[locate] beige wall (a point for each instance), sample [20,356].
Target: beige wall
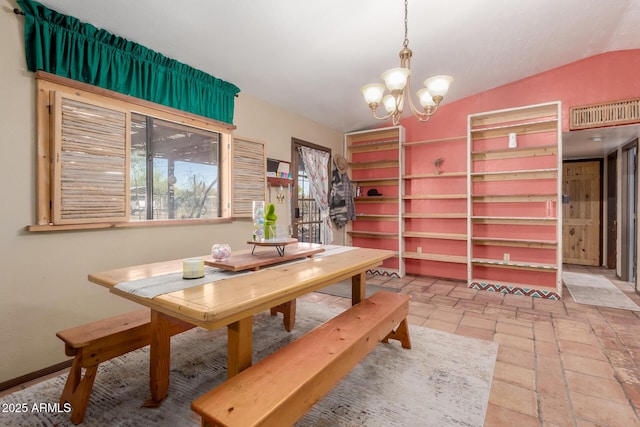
[44,285]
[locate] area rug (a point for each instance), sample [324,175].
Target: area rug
[343,289]
[596,290]
[444,380]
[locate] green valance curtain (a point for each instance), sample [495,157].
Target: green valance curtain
[62,45]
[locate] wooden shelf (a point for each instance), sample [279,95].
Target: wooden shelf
[377,181]
[427,235]
[436,257]
[376,217]
[523,243]
[514,264]
[376,199]
[273,181]
[513,153]
[514,220]
[373,234]
[374,165]
[521,175]
[435,141]
[435,197]
[434,215]
[435,175]
[508,198]
[374,146]
[520,128]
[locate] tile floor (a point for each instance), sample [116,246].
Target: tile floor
[559,363]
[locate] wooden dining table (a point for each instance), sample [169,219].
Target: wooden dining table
[234,301]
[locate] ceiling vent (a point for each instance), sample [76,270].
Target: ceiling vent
[606,114]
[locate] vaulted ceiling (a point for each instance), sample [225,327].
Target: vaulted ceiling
[311,57]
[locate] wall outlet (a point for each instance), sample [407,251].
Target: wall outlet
[507,257]
[419,249]
[513,141]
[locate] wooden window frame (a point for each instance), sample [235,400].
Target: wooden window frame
[47,84]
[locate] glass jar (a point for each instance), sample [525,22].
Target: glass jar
[220,252]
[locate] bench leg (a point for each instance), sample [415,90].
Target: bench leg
[358,288]
[288,309]
[239,346]
[401,334]
[77,389]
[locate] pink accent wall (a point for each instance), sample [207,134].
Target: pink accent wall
[607,77]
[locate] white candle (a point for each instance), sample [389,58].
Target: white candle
[193,268]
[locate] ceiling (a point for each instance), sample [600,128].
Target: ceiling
[312,57]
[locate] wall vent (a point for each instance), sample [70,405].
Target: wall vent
[606,114]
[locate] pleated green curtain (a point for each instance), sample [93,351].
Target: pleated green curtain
[62,45]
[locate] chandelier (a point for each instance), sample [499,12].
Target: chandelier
[398,82]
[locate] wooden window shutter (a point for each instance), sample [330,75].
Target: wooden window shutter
[90,174]
[248,175]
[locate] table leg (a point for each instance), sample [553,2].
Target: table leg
[160,358]
[240,351]
[358,287]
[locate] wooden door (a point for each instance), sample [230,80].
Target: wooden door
[581,216]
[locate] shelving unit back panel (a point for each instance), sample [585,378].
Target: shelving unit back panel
[375,226]
[421,158]
[375,156]
[375,174]
[449,185]
[512,231]
[431,225]
[435,269]
[441,206]
[515,164]
[437,246]
[378,209]
[532,209]
[496,188]
[517,254]
[522,141]
[529,279]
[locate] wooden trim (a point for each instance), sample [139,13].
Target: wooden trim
[512,153]
[373,146]
[551,268]
[373,234]
[374,165]
[435,197]
[428,235]
[521,243]
[36,375]
[74,84]
[521,175]
[457,259]
[435,141]
[248,175]
[435,175]
[434,215]
[130,224]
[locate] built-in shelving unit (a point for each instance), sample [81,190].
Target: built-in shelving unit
[376,162]
[435,206]
[514,207]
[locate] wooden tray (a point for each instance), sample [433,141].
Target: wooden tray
[265,257]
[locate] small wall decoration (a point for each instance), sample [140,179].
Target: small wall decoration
[437,163]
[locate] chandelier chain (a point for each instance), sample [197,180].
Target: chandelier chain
[406,25]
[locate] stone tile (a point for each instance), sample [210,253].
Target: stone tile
[470,306]
[420,309]
[518,301]
[533,315]
[498,416]
[543,331]
[501,311]
[448,315]
[513,397]
[603,412]
[550,385]
[555,411]
[444,300]
[512,329]
[440,325]
[478,322]
[608,389]
[547,348]
[579,349]
[489,297]
[514,374]
[588,366]
[520,343]
[440,289]
[463,293]
[482,334]
[517,357]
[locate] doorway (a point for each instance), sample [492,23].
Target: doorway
[307,216]
[581,216]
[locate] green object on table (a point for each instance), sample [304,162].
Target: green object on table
[270,218]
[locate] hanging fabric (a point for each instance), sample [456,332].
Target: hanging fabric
[316,163]
[342,207]
[62,45]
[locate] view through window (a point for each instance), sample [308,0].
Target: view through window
[175,171]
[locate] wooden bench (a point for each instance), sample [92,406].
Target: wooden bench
[97,342]
[280,388]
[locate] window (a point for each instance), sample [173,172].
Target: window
[109,160]
[174,170]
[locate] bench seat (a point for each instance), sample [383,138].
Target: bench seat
[97,342]
[280,388]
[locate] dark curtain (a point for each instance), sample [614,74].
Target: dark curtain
[62,45]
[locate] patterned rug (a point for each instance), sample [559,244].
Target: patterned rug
[444,380]
[596,290]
